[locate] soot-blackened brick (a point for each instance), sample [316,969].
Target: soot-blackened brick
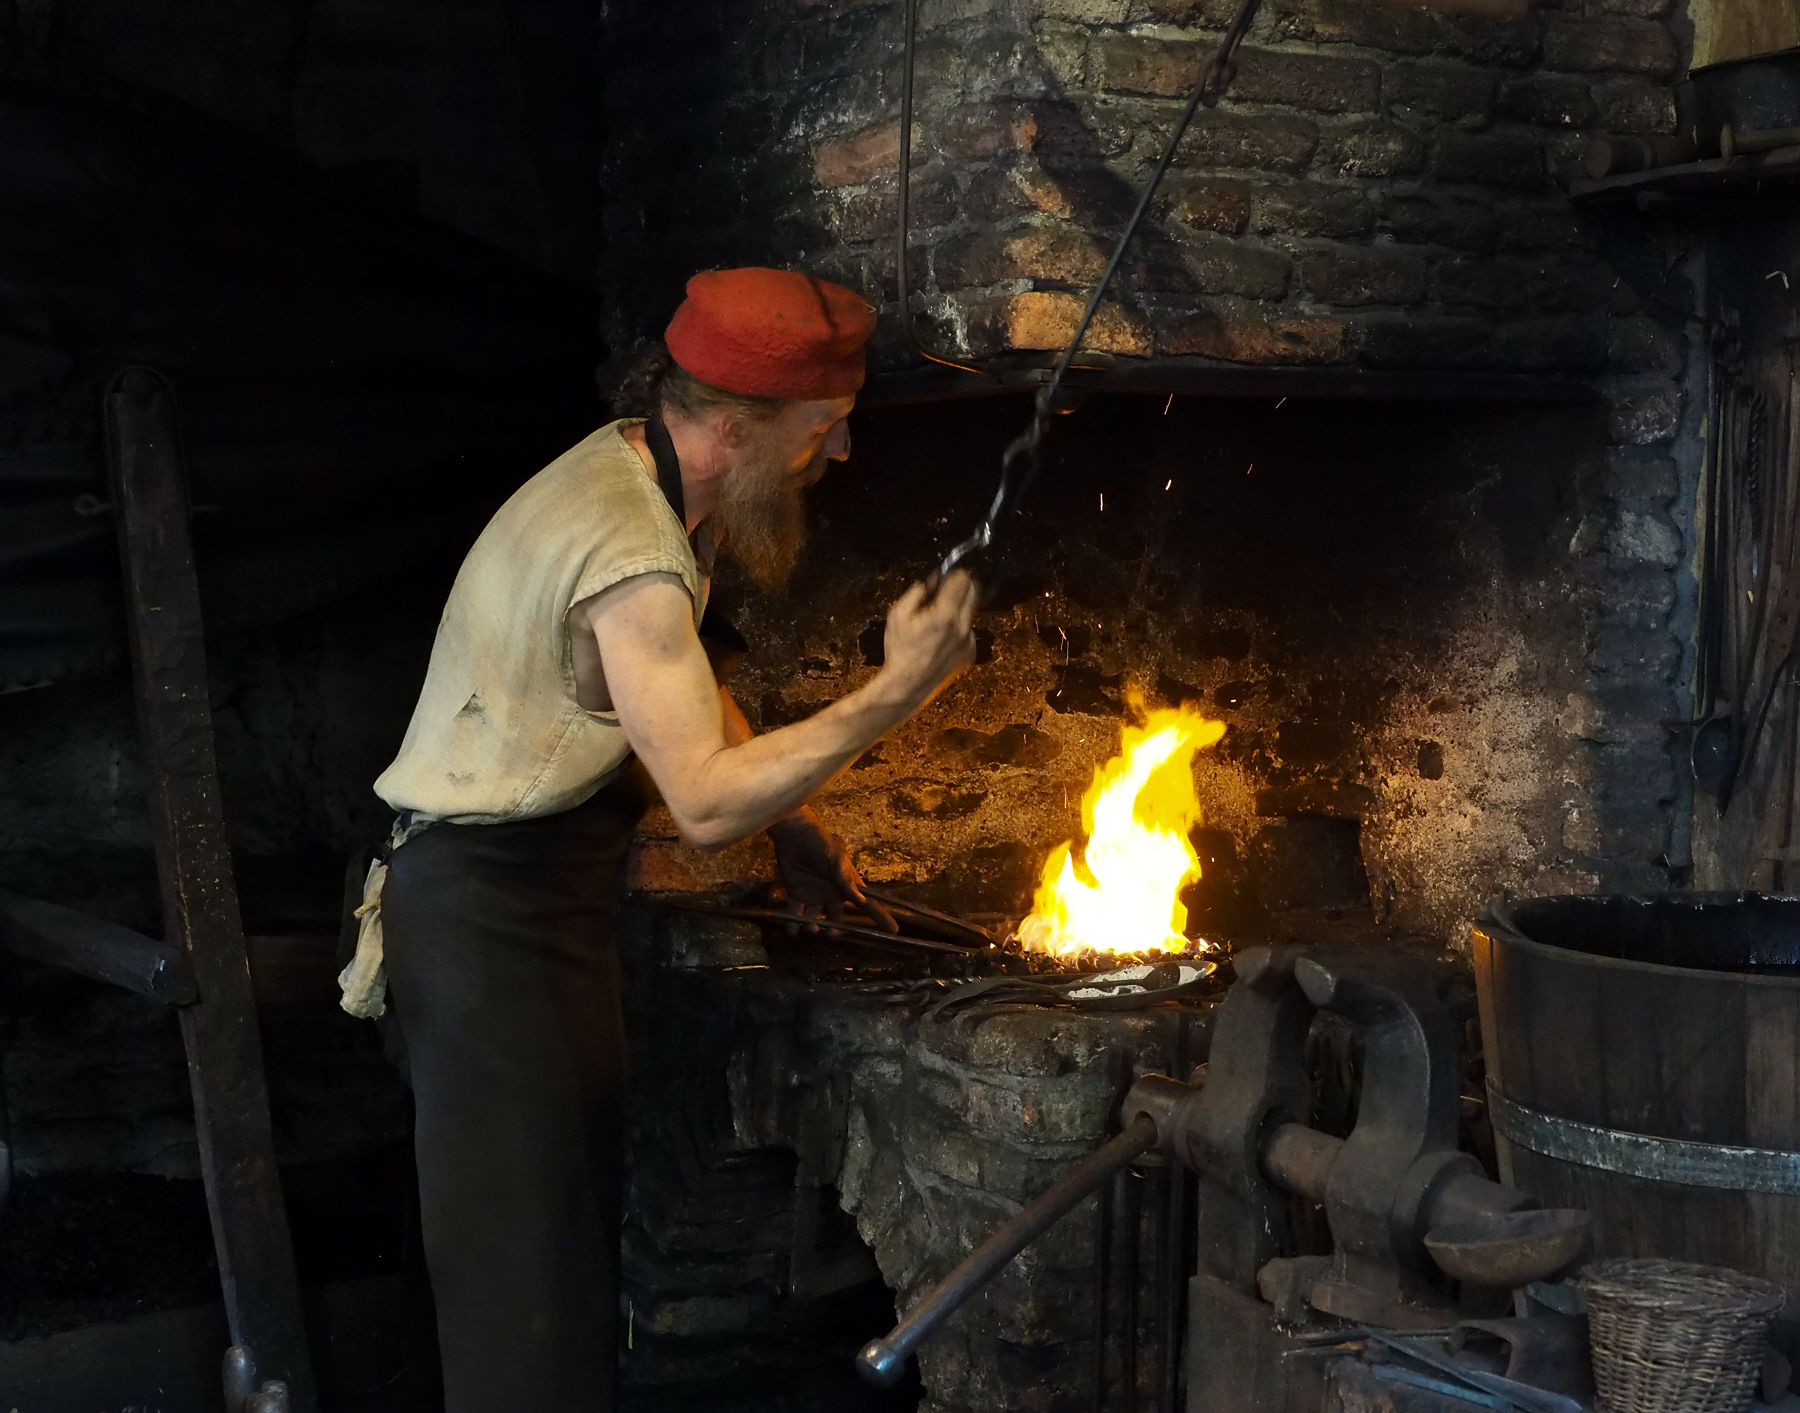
[1550,101]
[1639,481]
[1046,319]
[1641,345]
[1635,595]
[1371,149]
[1320,83]
[1579,283]
[1208,14]
[1608,44]
[1468,282]
[1633,106]
[1541,225]
[1489,159]
[1564,155]
[1506,44]
[1000,194]
[1643,414]
[1437,218]
[1630,714]
[1422,341]
[1631,652]
[1271,143]
[1566,344]
[1351,276]
[1214,205]
[1056,254]
[976,131]
[1314,209]
[1066,131]
[1247,333]
[854,159]
[1440,90]
[1599,831]
[1643,537]
[1391,29]
[864,214]
[1165,68]
[1207,264]
[1086,12]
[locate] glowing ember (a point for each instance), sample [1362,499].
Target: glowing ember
[1124,894]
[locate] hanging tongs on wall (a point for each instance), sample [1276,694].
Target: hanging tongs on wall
[1750,575]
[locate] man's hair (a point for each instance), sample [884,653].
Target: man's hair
[652,379]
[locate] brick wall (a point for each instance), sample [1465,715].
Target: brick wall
[1384,189]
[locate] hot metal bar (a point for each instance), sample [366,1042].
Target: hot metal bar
[1640,1155]
[882,1360]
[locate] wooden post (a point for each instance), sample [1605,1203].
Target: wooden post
[200,905]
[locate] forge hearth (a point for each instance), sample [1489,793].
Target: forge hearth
[804,1147]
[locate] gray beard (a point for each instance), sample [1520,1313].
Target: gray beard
[762,522]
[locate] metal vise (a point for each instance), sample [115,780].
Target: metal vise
[1399,1196]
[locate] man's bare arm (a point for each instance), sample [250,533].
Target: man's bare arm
[671,708]
[737,725]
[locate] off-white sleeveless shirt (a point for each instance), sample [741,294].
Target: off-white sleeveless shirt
[498,733]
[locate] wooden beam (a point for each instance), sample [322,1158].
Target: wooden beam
[62,937]
[200,906]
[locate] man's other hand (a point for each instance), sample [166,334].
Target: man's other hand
[930,637]
[818,873]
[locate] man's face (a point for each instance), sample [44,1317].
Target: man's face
[762,511]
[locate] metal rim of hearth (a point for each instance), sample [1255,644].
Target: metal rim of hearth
[1641,1155]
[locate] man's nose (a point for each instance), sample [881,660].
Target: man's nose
[837,442]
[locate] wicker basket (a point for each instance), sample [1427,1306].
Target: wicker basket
[1669,1337]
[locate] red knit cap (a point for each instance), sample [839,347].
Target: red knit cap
[771,333]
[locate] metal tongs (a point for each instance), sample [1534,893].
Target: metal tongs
[1019,465]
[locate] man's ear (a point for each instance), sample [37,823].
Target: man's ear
[731,429]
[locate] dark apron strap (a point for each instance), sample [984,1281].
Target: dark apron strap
[718,635]
[668,468]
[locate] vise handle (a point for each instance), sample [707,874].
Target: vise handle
[881,1361]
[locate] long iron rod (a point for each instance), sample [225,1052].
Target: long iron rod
[844,929]
[955,924]
[882,1361]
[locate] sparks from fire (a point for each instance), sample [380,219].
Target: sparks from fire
[1124,895]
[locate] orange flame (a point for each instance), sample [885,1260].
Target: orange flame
[1124,895]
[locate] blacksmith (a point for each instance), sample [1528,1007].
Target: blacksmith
[570,648]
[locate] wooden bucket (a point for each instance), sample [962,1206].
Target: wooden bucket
[1643,1063]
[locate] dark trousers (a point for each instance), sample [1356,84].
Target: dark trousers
[505,980]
